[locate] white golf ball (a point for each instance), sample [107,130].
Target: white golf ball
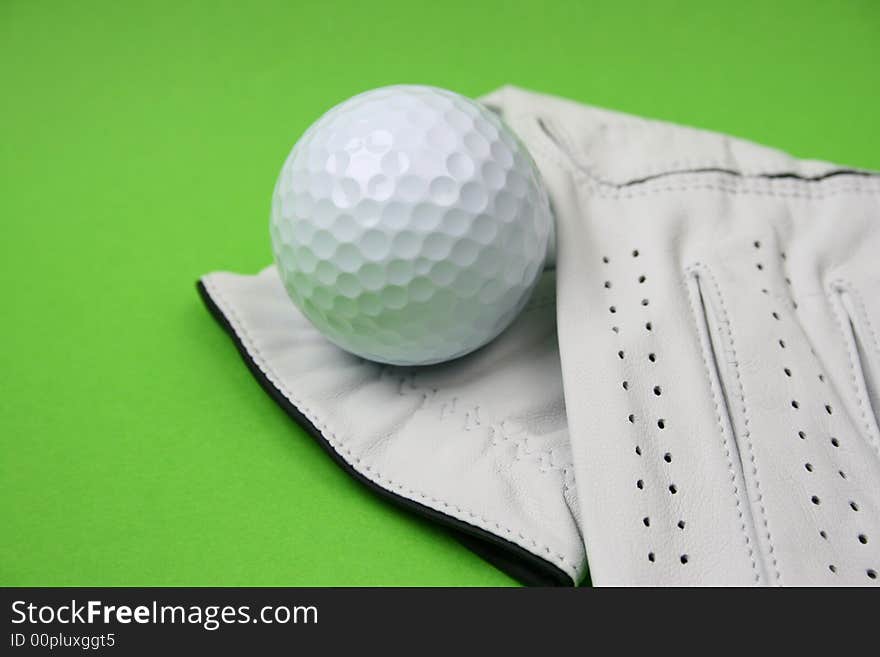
[410,225]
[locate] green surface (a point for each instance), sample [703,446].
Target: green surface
[138,149]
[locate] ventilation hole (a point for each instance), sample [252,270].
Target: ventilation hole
[757,244]
[642,278]
[835,442]
[823,534]
[853,506]
[649,326]
[616,329]
[808,467]
[815,500]
[871,573]
[842,474]
[787,371]
[828,409]
[620,354]
[681,524]
[683,558]
[661,423]
[795,404]
[635,253]
[673,489]
[774,313]
[612,309]
[605,259]
[782,343]
[667,457]
[631,418]
[626,385]
[764,290]
[640,484]
[638,451]
[657,390]
[651,557]
[652,357]
[607,285]
[645,302]
[802,435]
[822,378]
[832,568]
[863,539]
[760,267]
[646,521]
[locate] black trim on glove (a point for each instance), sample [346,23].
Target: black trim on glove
[508,557]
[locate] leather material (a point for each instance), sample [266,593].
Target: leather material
[479,444]
[718,324]
[719,335]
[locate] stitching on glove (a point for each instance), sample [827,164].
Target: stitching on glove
[726,183]
[697,270]
[694,273]
[544,457]
[377,477]
[668,167]
[738,187]
[863,312]
[837,288]
[553,129]
[406,381]
[471,420]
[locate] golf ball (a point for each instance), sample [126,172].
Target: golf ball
[410,225]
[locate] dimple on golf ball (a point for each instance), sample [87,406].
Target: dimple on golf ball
[409,225]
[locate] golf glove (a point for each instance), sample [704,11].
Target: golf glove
[718,319]
[718,337]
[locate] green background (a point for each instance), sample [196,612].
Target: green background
[139,144]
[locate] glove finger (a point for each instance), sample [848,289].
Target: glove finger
[810,462]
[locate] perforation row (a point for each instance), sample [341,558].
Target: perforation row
[656,389]
[795,404]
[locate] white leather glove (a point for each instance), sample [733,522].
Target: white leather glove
[719,331]
[718,323]
[479,445]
